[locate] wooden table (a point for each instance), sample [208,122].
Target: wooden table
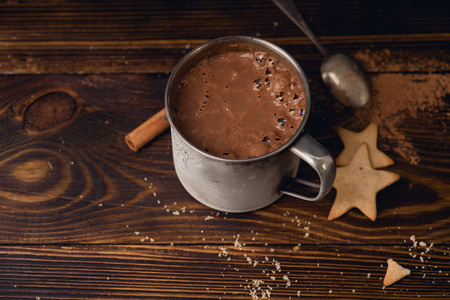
[82,216]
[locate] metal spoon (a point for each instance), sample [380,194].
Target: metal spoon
[341,73]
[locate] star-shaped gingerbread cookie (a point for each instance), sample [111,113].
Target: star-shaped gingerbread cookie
[357,185]
[352,140]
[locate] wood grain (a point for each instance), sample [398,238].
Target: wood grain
[116,20]
[224,271]
[63,57]
[82,216]
[96,191]
[140,37]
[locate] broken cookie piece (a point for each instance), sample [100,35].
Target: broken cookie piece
[394,272]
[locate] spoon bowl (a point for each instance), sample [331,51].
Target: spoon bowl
[345,80]
[341,73]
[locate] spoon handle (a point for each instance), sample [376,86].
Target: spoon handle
[289,9]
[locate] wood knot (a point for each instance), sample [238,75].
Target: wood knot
[49,111]
[34,175]
[32,171]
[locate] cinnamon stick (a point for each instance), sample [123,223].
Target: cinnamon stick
[147,131]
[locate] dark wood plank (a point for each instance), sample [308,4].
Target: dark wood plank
[141,37]
[118,20]
[226,271]
[81,216]
[106,58]
[87,186]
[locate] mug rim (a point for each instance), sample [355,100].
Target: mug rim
[250,40]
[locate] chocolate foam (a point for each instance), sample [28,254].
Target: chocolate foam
[238,104]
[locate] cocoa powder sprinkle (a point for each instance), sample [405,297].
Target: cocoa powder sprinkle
[399,98]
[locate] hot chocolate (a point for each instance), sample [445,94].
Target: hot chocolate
[239,103]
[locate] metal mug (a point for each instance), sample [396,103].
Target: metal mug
[243,185]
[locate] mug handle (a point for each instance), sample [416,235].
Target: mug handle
[315,155]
